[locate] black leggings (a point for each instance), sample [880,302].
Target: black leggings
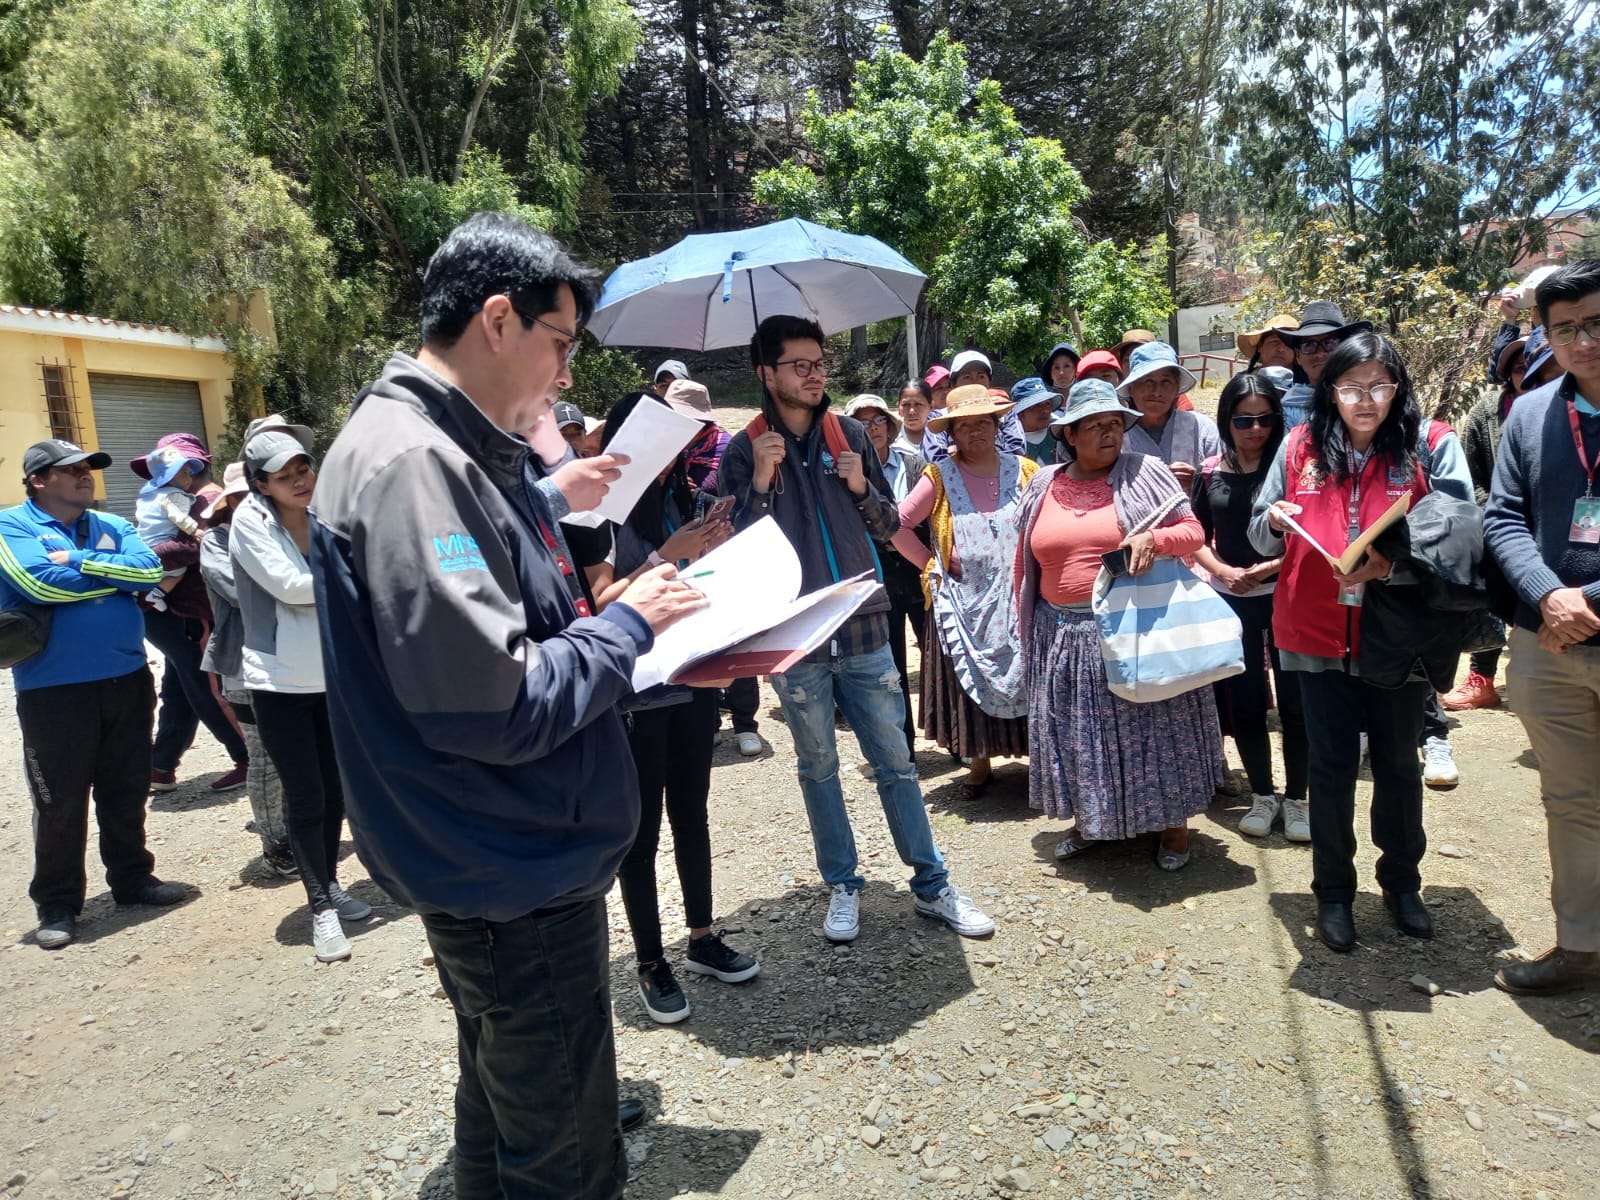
[294,730]
[672,752]
[1247,704]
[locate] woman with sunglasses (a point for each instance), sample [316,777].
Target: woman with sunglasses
[1365,446]
[1321,330]
[1251,419]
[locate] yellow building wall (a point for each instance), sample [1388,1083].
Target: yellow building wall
[24,418]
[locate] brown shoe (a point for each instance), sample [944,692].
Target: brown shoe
[1556,970]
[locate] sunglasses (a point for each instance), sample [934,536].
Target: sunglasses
[1325,345]
[1256,421]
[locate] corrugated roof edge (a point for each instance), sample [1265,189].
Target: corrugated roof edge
[108,327]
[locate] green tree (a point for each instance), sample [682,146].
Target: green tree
[940,169]
[1117,288]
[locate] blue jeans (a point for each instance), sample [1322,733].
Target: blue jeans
[536,1103]
[866,688]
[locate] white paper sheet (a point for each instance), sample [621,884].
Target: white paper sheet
[651,438]
[749,582]
[813,618]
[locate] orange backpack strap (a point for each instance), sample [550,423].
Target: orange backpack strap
[832,432]
[756,427]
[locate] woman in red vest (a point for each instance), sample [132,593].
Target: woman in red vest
[1365,445]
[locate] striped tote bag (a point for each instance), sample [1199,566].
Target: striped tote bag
[1165,632]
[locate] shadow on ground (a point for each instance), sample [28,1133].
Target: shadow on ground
[102,916]
[1127,870]
[194,793]
[1004,800]
[295,927]
[811,993]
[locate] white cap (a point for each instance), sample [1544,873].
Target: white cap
[966,358]
[673,367]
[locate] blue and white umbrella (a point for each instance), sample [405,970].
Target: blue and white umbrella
[705,292]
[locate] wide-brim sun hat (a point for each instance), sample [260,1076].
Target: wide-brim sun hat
[191,445]
[1503,362]
[1090,398]
[867,400]
[161,465]
[1030,392]
[966,358]
[971,400]
[690,398]
[234,483]
[1131,339]
[1249,341]
[1066,348]
[1149,358]
[1100,360]
[1537,352]
[1322,318]
[273,448]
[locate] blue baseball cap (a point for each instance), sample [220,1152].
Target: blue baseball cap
[1029,392]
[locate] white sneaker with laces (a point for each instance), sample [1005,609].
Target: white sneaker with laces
[843,922]
[327,937]
[1258,821]
[1439,764]
[1296,820]
[750,744]
[956,910]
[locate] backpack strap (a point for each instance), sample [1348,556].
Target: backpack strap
[833,434]
[756,427]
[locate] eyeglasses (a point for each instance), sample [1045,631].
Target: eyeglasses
[874,422]
[804,367]
[1256,420]
[1378,393]
[1325,345]
[570,336]
[1565,335]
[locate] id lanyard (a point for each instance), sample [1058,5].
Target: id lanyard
[565,564]
[1356,464]
[1583,456]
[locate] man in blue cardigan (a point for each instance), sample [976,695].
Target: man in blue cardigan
[1543,526]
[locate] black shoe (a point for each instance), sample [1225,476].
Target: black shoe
[663,998]
[709,955]
[630,1113]
[56,932]
[1410,914]
[281,862]
[153,892]
[1336,926]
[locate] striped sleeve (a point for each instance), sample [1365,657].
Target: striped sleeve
[131,567]
[25,565]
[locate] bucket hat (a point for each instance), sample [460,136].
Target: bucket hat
[1066,348]
[190,444]
[1248,341]
[973,400]
[163,463]
[689,398]
[867,400]
[1149,358]
[234,483]
[1537,352]
[1320,319]
[1502,363]
[1030,392]
[1088,398]
[1130,339]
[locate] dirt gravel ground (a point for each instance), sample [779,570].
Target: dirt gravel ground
[1125,1032]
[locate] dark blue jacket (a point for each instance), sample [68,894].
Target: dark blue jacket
[486,769]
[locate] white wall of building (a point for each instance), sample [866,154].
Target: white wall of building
[1194,323]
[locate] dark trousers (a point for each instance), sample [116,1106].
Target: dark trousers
[906,609]
[186,695]
[1247,697]
[1435,723]
[743,697]
[1486,662]
[295,732]
[1337,707]
[672,753]
[79,738]
[536,1104]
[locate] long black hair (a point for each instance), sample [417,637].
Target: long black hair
[922,389]
[1396,438]
[1240,388]
[673,498]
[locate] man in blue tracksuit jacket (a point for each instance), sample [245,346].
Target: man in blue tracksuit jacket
[85,699]
[473,701]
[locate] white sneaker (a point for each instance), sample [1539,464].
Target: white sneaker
[843,922]
[956,910]
[1258,821]
[750,744]
[1439,764]
[1296,820]
[327,937]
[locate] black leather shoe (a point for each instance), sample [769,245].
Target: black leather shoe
[1336,926]
[153,892]
[1410,914]
[56,932]
[630,1113]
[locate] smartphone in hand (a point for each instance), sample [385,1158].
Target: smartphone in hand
[1116,561]
[720,511]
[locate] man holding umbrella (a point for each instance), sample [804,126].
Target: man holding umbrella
[815,474]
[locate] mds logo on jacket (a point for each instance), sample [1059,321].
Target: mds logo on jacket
[458,552]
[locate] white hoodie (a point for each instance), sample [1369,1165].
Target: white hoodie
[282,649]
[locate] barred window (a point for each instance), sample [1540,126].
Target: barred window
[59,401]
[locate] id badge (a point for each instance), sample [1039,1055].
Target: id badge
[1586,520]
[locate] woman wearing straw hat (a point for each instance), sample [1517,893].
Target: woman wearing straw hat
[902,466]
[1181,439]
[973,703]
[1118,769]
[1265,347]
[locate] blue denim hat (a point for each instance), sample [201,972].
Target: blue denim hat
[1150,358]
[1537,352]
[1088,398]
[1029,392]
